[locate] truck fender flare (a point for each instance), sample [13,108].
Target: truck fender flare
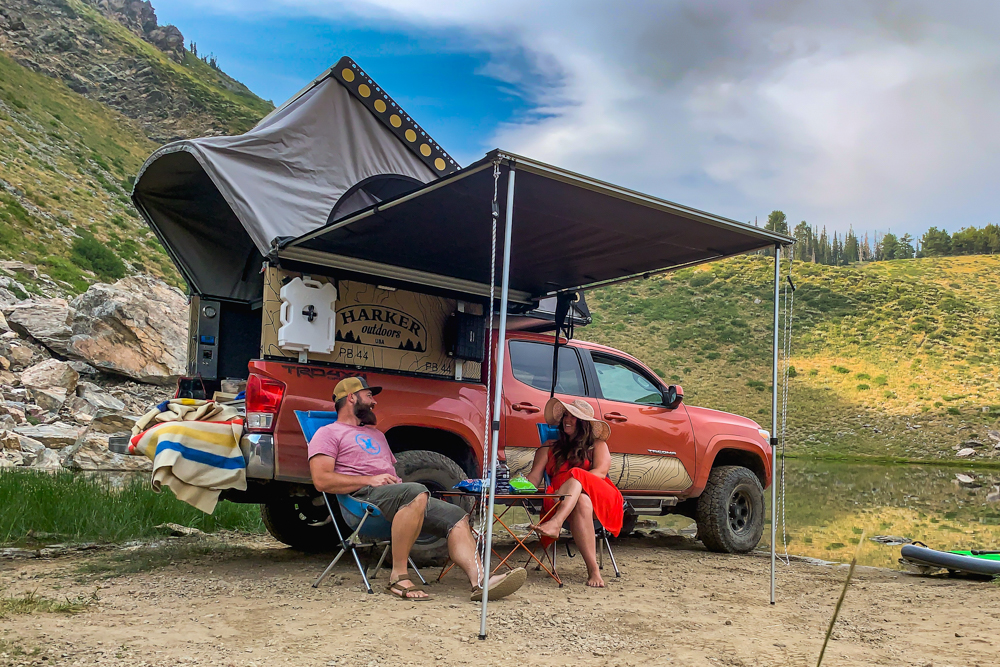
[724,441]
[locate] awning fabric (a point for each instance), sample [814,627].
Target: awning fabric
[216,203]
[569,232]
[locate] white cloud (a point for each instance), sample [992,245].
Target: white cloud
[858,112]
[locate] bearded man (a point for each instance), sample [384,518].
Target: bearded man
[351,456]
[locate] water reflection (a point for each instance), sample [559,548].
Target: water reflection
[829,504]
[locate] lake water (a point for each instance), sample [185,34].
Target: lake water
[829,505]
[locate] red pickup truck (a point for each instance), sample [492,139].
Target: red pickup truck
[667,457]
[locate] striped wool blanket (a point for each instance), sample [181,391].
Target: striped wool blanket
[195,449]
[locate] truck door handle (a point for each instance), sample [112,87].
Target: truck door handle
[526,407]
[615,417]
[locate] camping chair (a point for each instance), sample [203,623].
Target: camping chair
[369,526]
[545,434]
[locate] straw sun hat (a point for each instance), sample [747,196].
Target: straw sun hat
[555,409]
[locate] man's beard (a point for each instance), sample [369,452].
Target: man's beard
[365,414]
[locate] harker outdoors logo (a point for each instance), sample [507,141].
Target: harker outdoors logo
[381,327]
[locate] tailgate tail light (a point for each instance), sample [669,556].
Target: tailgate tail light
[263,400]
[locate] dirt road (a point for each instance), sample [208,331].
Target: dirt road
[248,602]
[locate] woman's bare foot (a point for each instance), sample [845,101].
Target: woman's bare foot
[595,580]
[547,529]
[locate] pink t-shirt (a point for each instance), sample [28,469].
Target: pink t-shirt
[358,450]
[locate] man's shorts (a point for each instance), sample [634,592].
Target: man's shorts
[439,517]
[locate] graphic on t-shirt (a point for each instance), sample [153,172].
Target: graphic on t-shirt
[368,444]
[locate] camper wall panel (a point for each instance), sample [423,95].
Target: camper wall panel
[380,329]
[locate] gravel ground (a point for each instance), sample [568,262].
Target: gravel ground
[247,602]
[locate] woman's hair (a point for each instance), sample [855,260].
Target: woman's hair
[575,449]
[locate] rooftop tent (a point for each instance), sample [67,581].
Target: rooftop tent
[339,145]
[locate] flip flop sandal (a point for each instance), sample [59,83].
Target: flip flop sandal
[394,589]
[509,584]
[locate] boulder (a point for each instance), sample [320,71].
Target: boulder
[136,328]
[13,410]
[9,441]
[10,459]
[90,451]
[47,460]
[53,436]
[20,356]
[4,327]
[968,451]
[50,383]
[30,449]
[45,320]
[91,399]
[4,363]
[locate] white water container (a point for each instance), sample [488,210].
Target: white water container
[308,316]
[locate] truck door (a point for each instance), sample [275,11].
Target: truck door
[657,443]
[526,387]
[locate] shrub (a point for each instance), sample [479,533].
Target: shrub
[954,411]
[89,253]
[813,372]
[701,279]
[713,355]
[792,372]
[841,370]
[881,380]
[863,387]
[757,385]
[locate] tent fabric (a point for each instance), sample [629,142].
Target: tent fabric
[569,232]
[218,202]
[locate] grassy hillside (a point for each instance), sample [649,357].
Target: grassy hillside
[894,359]
[67,165]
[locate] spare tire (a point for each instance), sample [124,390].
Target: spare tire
[438,473]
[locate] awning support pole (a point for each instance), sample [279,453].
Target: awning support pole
[497,394]
[774,417]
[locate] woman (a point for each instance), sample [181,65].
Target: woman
[577,464]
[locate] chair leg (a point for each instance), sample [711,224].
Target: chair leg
[600,554]
[381,560]
[364,575]
[329,568]
[612,555]
[415,569]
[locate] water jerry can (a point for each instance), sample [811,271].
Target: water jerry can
[308,316]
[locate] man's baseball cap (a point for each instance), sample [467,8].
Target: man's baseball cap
[352,385]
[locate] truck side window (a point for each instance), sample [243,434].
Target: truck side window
[621,382]
[532,365]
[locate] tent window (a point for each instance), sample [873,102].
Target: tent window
[373,190]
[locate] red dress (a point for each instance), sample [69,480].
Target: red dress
[604,495]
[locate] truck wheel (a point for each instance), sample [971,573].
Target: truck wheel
[730,511]
[438,473]
[628,524]
[301,522]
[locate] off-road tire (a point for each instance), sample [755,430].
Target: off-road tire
[628,524]
[438,473]
[730,511]
[301,522]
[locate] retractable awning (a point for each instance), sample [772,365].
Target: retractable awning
[571,232]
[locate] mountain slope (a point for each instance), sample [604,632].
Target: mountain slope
[86,94]
[891,358]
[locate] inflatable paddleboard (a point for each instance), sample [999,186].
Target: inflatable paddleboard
[956,561]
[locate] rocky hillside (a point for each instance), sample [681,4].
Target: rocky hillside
[74,373]
[87,92]
[894,359]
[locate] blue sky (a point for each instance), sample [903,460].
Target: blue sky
[437,77]
[881,116]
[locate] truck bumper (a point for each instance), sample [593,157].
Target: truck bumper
[258,450]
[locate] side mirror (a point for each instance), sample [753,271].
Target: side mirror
[673,396]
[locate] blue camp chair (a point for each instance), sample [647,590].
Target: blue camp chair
[545,434]
[369,526]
